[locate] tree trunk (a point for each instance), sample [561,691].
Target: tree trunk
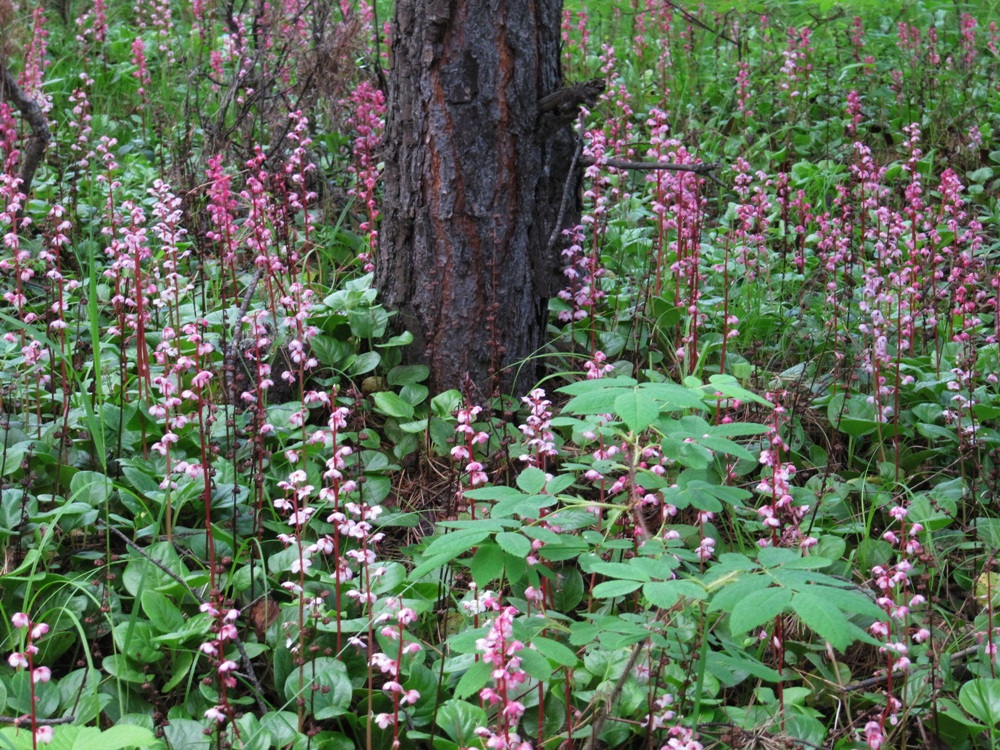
[474,179]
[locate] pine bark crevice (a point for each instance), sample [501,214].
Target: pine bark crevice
[473,185]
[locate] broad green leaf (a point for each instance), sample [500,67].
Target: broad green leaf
[474,679]
[732,592]
[637,409]
[161,611]
[757,608]
[514,543]
[673,397]
[727,385]
[535,665]
[332,699]
[456,542]
[91,487]
[601,384]
[531,480]
[459,720]
[610,589]
[665,594]
[981,698]
[391,405]
[555,651]
[595,402]
[526,506]
[826,621]
[408,374]
[487,564]
[69,737]
[364,363]
[619,570]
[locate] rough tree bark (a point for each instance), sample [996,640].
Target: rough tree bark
[475,171]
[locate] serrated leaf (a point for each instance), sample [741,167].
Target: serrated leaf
[595,402]
[637,409]
[610,589]
[514,543]
[473,680]
[665,594]
[826,621]
[555,651]
[531,480]
[758,607]
[535,665]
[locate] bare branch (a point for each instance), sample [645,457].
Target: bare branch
[244,657]
[705,170]
[19,720]
[33,115]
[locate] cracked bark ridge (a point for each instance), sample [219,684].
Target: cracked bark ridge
[473,185]
[32,154]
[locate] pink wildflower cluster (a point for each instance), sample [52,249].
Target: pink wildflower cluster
[797,63]
[500,650]
[224,632]
[368,120]
[583,264]
[467,437]
[92,24]
[896,630]
[25,659]
[743,90]
[80,124]
[682,738]
[574,44]
[392,666]
[781,518]
[141,73]
[537,428]
[36,61]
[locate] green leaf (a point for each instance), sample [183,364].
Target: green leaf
[555,651]
[514,543]
[665,594]
[161,611]
[729,595]
[827,622]
[673,397]
[408,374]
[455,543]
[610,589]
[459,720]
[473,680]
[487,564]
[727,385]
[70,737]
[391,405]
[981,698]
[597,402]
[526,506]
[637,409]
[758,607]
[364,363]
[91,487]
[332,699]
[531,480]
[535,665]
